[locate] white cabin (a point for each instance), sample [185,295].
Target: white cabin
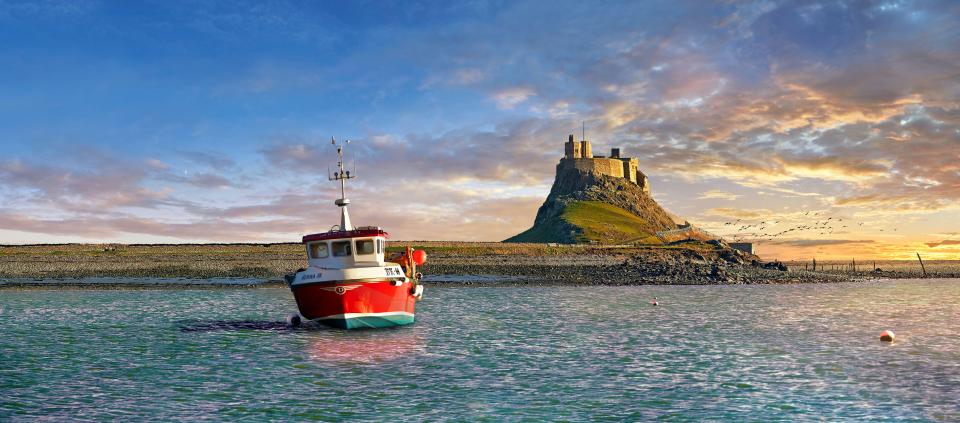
[361,247]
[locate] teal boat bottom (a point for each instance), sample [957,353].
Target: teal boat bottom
[372,320]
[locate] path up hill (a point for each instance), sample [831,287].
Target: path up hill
[589,207]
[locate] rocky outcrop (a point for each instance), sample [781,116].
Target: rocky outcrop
[571,185]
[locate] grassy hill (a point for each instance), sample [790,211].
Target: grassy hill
[601,222]
[588,207]
[593,222]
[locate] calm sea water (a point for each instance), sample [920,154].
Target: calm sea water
[801,352]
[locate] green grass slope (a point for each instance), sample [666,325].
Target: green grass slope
[593,222]
[604,223]
[540,233]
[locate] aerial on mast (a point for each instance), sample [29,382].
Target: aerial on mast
[342,176]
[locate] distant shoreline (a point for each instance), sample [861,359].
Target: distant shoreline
[263,265]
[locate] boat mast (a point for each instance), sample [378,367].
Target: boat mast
[342,176]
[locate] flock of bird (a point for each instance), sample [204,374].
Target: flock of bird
[818,223]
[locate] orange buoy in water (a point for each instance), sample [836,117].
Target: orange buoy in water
[887,336]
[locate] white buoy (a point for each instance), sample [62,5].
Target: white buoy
[887,336]
[294,320]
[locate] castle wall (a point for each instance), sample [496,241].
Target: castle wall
[605,166]
[642,181]
[579,155]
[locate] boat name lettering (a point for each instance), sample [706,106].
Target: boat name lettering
[312,276]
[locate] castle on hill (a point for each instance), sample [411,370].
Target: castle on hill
[579,155]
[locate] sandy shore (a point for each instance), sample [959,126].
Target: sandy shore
[448,263]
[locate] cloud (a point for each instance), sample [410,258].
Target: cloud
[199,180]
[95,181]
[508,98]
[729,212]
[719,195]
[469,76]
[299,154]
[218,161]
[944,242]
[110,227]
[452,216]
[754,96]
[521,152]
[101,184]
[157,164]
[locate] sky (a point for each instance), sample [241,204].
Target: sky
[174,122]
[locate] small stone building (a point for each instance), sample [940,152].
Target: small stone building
[746,247]
[579,155]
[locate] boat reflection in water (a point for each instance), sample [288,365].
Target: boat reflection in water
[365,346]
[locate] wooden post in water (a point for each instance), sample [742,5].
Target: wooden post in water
[854,265]
[814,264]
[924,269]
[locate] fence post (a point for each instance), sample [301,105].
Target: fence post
[924,269]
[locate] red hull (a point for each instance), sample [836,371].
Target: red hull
[338,299]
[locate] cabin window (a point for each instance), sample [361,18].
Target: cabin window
[341,249]
[319,250]
[365,246]
[379,246]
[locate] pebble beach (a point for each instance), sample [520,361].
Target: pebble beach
[466,263]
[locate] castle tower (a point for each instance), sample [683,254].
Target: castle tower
[585,150]
[629,168]
[572,148]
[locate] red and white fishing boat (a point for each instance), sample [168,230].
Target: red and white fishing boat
[349,282]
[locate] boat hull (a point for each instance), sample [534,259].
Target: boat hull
[357,304]
[368,320]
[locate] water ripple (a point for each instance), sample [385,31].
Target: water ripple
[772,353]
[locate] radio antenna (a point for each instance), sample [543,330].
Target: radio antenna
[342,176]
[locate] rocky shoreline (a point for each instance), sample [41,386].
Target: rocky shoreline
[449,264]
[628,271]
